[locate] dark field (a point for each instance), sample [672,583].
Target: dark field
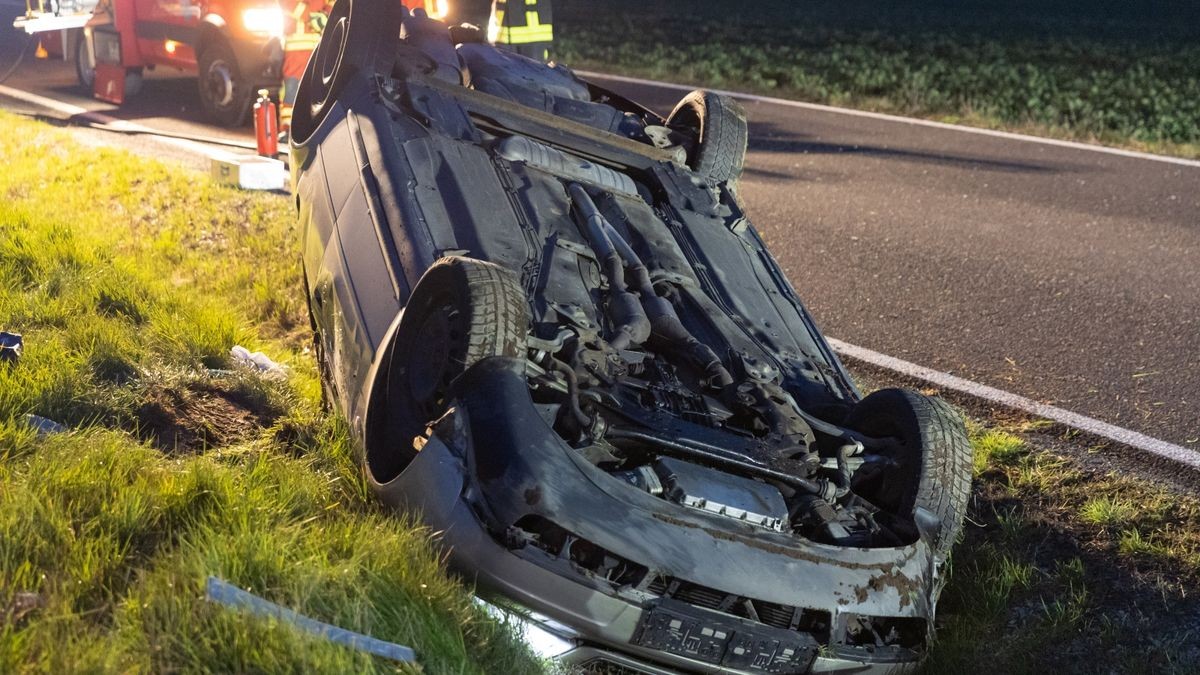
[1120,73]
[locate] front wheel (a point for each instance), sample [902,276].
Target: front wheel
[224,93]
[931,468]
[461,312]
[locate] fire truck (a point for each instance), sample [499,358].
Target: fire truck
[235,47]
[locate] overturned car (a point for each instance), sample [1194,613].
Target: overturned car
[557,337]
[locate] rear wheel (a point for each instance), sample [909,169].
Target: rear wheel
[461,312]
[717,124]
[85,69]
[85,63]
[359,37]
[224,93]
[932,468]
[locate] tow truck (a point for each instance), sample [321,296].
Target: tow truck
[233,46]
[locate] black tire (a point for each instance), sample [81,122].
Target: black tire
[718,125]
[359,37]
[85,64]
[933,460]
[85,69]
[224,93]
[461,312]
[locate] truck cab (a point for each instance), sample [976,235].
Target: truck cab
[233,46]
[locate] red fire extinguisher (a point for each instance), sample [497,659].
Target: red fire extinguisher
[266,128]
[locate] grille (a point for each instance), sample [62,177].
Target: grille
[812,621]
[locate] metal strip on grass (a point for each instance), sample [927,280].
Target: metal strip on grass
[219,591]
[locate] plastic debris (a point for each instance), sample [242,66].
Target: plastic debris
[225,593]
[45,426]
[10,347]
[257,360]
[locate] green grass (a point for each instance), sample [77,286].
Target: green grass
[1059,561]
[1115,73]
[994,446]
[129,281]
[1108,511]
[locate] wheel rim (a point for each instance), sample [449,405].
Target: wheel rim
[328,61]
[435,358]
[218,83]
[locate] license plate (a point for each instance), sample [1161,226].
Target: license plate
[681,629]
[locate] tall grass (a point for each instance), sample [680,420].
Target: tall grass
[130,281]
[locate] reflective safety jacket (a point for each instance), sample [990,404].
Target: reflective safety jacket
[304,22]
[518,22]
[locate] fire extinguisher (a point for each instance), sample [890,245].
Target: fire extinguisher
[266,128]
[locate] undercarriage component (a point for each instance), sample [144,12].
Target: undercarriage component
[723,494]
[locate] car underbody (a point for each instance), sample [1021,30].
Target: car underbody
[557,336]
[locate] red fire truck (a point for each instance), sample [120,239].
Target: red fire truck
[234,47]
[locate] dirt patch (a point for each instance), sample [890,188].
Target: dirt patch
[200,416]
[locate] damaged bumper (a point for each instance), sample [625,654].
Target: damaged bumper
[644,580]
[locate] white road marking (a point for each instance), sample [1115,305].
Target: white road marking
[906,120]
[70,109]
[1154,446]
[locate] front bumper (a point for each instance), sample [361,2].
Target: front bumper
[472,494]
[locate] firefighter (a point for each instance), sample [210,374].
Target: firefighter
[522,26]
[305,23]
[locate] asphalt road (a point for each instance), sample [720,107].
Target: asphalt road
[1068,276]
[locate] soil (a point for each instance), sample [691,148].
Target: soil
[199,416]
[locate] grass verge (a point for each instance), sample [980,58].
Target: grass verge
[1063,568]
[1114,73]
[130,282]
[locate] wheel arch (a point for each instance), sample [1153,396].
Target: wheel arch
[212,27]
[479,284]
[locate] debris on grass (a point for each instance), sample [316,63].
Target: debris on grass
[256,360]
[45,426]
[134,276]
[11,345]
[225,593]
[23,604]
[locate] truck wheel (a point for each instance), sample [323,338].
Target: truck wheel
[85,69]
[224,93]
[360,36]
[461,312]
[933,460]
[85,64]
[717,125]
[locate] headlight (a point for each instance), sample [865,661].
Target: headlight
[264,21]
[438,9]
